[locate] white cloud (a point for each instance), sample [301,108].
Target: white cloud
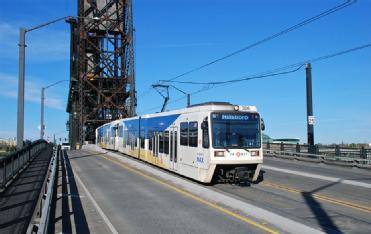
[9,88]
[46,44]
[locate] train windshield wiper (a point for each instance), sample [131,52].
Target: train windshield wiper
[225,147]
[246,150]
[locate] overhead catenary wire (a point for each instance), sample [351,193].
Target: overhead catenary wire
[278,34]
[210,86]
[273,72]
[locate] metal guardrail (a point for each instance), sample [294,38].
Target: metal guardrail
[46,199]
[13,164]
[360,157]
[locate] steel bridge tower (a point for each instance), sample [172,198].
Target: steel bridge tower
[102,77]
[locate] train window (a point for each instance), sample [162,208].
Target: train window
[156,144]
[184,133]
[150,141]
[193,134]
[166,142]
[205,134]
[120,131]
[142,142]
[175,146]
[161,143]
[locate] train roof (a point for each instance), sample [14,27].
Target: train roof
[207,106]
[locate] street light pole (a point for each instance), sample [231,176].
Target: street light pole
[21,79]
[42,125]
[20,115]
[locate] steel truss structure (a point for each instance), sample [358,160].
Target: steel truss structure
[102,80]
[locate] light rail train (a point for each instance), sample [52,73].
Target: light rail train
[210,142]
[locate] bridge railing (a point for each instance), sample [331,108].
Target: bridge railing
[360,157]
[40,221]
[12,164]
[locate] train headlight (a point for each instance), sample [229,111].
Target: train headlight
[219,153]
[236,108]
[254,153]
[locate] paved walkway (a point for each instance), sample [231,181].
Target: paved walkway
[17,203]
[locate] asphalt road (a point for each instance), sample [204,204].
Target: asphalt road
[328,198]
[134,203]
[331,198]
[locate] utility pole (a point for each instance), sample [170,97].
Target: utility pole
[310,117]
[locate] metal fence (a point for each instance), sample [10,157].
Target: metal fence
[360,157]
[45,201]
[12,164]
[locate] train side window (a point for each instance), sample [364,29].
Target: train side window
[205,134]
[156,144]
[184,133]
[150,141]
[142,142]
[120,131]
[161,143]
[193,134]
[166,142]
[175,146]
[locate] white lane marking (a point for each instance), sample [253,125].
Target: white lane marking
[70,195]
[100,211]
[321,177]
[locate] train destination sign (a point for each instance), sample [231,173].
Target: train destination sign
[237,117]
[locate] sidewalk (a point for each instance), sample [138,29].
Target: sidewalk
[17,203]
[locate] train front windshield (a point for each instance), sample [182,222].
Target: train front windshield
[235,130]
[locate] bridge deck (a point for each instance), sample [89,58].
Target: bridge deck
[134,203]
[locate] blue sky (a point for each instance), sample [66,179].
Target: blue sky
[174,36]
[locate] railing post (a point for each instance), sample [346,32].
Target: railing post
[12,163]
[363,153]
[4,178]
[316,149]
[337,150]
[268,145]
[297,148]
[282,147]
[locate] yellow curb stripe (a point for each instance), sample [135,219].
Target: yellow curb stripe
[187,194]
[320,197]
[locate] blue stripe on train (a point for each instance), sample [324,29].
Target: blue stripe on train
[147,125]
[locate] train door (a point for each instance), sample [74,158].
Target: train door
[173,143]
[155,146]
[116,140]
